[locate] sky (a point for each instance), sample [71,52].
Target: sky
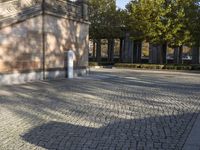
[122,3]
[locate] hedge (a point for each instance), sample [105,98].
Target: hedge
[91,64]
[155,66]
[147,66]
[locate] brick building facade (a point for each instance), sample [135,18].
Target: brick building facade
[35,36]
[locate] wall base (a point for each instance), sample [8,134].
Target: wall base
[20,78]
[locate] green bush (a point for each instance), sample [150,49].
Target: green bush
[93,64]
[155,66]
[126,65]
[178,67]
[100,64]
[152,66]
[148,66]
[142,66]
[195,67]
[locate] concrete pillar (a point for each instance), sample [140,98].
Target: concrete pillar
[181,55]
[111,44]
[121,50]
[196,55]
[153,54]
[128,49]
[94,50]
[157,54]
[164,54]
[178,55]
[161,54]
[137,52]
[98,50]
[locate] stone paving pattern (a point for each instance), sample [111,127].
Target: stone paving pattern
[110,109]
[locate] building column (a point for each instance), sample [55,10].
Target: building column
[195,55]
[121,50]
[128,49]
[111,44]
[98,50]
[178,55]
[152,54]
[157,54]
[94,50]
[163,54]
[137,52]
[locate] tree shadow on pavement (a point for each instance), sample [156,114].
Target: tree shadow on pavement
[163,132]
[104,112]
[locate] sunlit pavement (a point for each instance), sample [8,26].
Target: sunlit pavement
[110,109]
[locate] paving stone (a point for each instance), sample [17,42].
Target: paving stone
[110,109]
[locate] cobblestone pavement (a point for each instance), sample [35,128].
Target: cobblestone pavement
[110,109]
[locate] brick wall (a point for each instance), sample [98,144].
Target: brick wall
[41,32]
[21,46]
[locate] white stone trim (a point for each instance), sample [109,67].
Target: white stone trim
[20,78]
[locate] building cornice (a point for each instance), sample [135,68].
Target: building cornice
[14,11]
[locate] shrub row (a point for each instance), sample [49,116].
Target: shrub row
[155,66]
[195,67]
[141,66]
[91,64]
[147,66]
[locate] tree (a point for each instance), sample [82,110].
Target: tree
[161,21]
[105,23]
[194,21]
[103,17]
[194,26]
[146,21]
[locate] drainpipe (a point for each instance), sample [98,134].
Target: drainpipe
[43,38]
